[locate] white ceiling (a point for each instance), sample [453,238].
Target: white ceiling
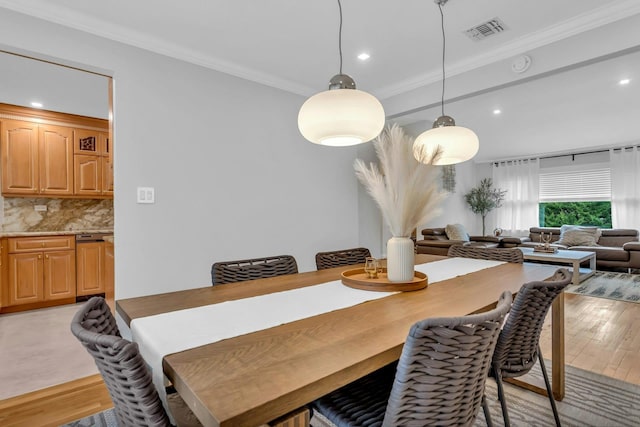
[577,110]
[292,45]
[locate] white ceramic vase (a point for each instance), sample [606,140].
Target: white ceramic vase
[400,259]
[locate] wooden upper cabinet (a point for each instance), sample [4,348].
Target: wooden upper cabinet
[105,144]
[42,156]
[107,164]
[88,175]
[19,142]
[87,142]
[36,159]
[56,160]
[107,176]
[91,142]
[93,165]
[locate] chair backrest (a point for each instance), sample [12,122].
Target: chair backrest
[340,258]
[250,269]
[122,367]
[517,348]
[494,254]
[443,367]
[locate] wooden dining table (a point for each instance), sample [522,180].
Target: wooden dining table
[252,379]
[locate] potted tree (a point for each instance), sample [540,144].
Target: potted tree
[484,198]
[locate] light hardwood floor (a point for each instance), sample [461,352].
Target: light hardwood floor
[57,405]
[602,336]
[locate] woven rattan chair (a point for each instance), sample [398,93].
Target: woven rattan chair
[250,269]
[341,258]
[495,254]
[124,371]
[439,379]
[518,347]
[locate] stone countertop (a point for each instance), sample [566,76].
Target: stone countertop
[50,233]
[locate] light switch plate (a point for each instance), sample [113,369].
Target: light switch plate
[146,195]
[40,208]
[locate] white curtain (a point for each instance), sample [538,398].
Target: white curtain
[625,188]
[519,210]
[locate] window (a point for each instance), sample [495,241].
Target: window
[556,214]
[579,197]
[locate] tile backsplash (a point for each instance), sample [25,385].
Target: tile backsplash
[20,214]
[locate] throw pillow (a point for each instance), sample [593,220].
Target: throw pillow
[456,232]
[575,235]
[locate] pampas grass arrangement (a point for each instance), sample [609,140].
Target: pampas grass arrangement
[406,190]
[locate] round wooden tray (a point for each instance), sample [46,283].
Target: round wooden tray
[358,279]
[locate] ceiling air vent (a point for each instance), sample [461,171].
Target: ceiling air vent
[486,29]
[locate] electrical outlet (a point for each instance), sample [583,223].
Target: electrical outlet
[146,195]
[40,208]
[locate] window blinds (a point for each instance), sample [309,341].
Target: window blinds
[592,185]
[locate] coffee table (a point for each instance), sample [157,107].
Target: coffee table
[575,258]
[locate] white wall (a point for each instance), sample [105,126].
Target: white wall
[373,233]
[233,176]
[454,208]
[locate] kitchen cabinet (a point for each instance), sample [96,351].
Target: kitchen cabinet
[90,267]
[37,159]
[93,166]
[40,269]
[3,272]
[107,176]
[109,270]
[94,264]
[50,154]
[88,175]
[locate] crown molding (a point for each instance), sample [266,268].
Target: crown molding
[137,39]
[570,27]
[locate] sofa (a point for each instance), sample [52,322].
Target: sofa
[436,242]
[616,249]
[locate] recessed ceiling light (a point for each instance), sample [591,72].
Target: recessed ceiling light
[497,111]
[364,56]
[36,104]
[624,82]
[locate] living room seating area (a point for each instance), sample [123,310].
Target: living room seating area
[616,249]
[436,241]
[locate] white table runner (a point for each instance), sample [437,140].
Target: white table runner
[180,330]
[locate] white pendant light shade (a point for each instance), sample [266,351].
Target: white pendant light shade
[445,143]
[341,117]
[456,144]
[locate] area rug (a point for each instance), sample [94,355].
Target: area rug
[591,400]
[604,284]
[102,419]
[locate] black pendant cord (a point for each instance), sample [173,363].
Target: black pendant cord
[444,45]
[340,36]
